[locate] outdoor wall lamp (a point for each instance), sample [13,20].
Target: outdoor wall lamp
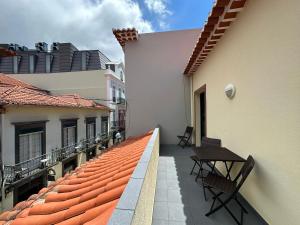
[230,90]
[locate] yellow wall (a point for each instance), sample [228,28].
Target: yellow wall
[260,55]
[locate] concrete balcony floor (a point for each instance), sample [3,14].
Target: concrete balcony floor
[179,199]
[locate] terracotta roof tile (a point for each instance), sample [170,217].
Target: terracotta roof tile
[88,195]
[124,35]
[220,18]
[16,92]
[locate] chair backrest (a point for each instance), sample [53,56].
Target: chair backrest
[188,131]
[244,172]
[210,142]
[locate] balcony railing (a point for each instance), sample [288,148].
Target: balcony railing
[13,173]
[119,124]
[121,101]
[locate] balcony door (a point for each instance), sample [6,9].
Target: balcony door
[202,114]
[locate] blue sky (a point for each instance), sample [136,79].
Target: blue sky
[184,14]
[88,23]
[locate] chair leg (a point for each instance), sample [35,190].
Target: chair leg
[223,204]
[193,168]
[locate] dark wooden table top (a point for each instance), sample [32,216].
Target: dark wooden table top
[214,153]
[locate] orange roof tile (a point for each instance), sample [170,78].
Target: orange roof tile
[123,35]
[16,92]
[219,20]
[87,196]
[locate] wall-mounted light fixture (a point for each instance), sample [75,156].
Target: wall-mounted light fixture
[230,90]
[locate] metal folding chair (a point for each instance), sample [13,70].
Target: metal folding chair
[185,138]
[226,186]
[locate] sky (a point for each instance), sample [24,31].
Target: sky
[88,23]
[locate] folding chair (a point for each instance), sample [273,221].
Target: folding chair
[205,142]
[226,186]
[185,138]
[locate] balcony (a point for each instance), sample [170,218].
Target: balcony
[14,173]
[121,101]
[179,199]
[118,125]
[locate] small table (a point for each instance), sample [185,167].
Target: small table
[214,154]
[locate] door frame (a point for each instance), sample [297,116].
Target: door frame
[197,119]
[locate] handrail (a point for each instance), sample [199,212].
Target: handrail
[26,168]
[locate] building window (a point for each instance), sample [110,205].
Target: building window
[90,128]
[69,132]
[30,140]
[30,145]
[48,63]
[110,66]
[83,60]
[31,63]
[104,125]
[114,93]
[16,64]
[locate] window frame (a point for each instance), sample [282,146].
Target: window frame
[90,120]
[29,127]
[105,119]
[68,123]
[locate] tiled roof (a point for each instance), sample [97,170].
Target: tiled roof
[7,80]
[123,35]
[16,92]
[222,15]
[86,196]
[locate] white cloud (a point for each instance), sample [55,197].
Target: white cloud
[87,24]
[159,7]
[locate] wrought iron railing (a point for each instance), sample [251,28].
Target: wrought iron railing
[118,124]
[121,101]
[26,168]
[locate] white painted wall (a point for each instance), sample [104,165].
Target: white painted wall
[53,126]
[88,84]
[92,84]
[156,90]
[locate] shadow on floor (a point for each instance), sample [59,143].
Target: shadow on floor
[179,199]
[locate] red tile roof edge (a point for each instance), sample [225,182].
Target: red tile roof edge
[16,92]
[124,35]
[88,195]
[223,13]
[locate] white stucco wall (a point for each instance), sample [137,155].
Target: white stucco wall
[15,114]
[88,84]
[260,55]
[156,91]
[92,84]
